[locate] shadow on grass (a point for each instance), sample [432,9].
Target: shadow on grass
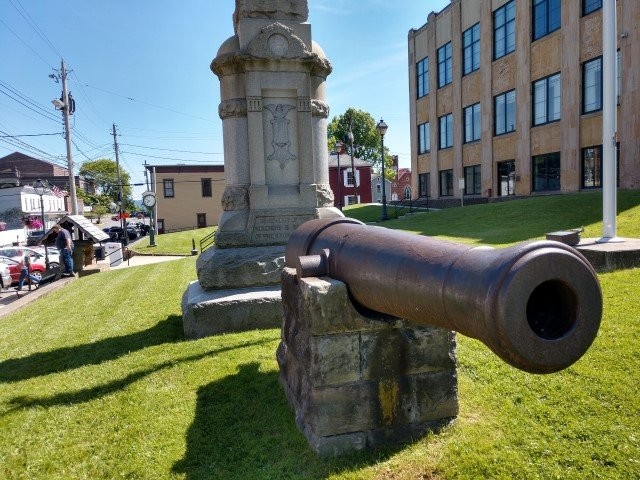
[88,394]
[69,358]
[244,428]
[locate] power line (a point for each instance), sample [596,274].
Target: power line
[30,104]
[35,27]
[31,135]
[167,158]
[172,150]
[25,43]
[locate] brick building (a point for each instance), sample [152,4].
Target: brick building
[506,98]
[348,192]
[187,196]
[401,185]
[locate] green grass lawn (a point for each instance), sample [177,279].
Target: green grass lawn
[179,243]
[96,381]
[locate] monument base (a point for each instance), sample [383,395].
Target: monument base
[359,380]
[206,313]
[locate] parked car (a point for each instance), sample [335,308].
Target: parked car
[36,254]
[116,234]
[37,268]
[5,275]
[34,237]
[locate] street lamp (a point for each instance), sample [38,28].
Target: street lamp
[40,187]
[339,147]
[353,170]
[382,129]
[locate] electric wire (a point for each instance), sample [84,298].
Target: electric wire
[25,43]
[35,27]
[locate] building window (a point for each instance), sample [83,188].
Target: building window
[422,71]
[589,6]
[424,141]
[201,219]
[504,30]
[424,183]
[445,72]
[505,112]
[206,187]
[446,183]
[546,17]
[167,185]
[472,182]
[546,172]
[350,178]
[471,49]
[352,199]
[592,167]
[446,131]
[472,123]
[592,85]
[546,100]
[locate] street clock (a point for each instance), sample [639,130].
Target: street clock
[149,199]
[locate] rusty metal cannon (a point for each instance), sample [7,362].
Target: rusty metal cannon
[536,305]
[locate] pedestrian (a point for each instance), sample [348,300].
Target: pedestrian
[25,271]
[65,245]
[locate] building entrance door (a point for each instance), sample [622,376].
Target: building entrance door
[506,178]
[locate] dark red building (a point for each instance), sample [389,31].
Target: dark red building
[342,182]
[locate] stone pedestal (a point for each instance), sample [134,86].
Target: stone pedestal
[358,380]
[274,124]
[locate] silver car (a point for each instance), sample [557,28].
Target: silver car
[5,276]
[36,253]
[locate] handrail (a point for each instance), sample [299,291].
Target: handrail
[401,205]
[207,241]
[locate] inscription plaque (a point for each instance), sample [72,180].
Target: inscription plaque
[276,230]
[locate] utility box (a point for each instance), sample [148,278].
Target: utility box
[114,253]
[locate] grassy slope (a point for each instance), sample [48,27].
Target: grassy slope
[103,386]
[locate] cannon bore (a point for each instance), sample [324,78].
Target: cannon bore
[536,305]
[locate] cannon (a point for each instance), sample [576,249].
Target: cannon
[537,305]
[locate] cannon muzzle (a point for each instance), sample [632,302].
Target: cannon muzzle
[536,305]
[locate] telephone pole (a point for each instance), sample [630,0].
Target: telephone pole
[123,222]
[68,107]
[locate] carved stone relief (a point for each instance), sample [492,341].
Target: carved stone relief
[280,132]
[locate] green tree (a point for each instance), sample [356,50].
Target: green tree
[366,138]
[105,175]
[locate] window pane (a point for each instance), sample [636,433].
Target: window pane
[511,111]
[500,113]
[449,130]
[554,98]
[592,85]
[539,102]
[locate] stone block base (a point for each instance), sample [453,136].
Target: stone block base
[206,313]
[359,380]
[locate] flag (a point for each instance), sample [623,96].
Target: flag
[59,193]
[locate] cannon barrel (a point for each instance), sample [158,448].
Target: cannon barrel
[536,305]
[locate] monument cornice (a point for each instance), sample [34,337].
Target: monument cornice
[275,46]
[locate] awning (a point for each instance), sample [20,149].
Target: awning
[84,225]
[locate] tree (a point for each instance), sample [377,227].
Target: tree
[366,138]
[105,175]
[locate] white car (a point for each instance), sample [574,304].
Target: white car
[36,253]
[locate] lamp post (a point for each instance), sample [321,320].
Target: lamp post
[382,129]
[353,170]
[339,146]
[39,187]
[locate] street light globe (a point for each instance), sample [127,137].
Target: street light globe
[39,187]
[382,127]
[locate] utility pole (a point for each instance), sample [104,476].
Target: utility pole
[66,111]
[123,222]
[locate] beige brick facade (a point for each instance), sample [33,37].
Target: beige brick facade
[188,196]
[572,137]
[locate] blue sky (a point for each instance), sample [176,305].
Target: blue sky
[144,65]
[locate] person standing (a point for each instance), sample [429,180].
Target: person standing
[65,245]
[25,271]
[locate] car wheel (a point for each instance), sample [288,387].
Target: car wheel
[54,265]
[37,275]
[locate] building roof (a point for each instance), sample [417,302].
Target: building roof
[30,166]
[345,161]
